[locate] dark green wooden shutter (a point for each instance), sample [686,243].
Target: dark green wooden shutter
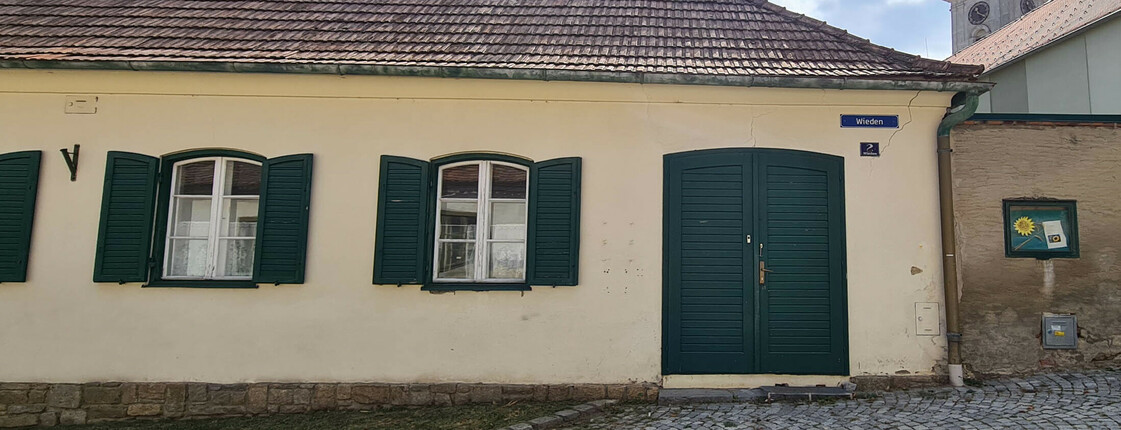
[124,238]
[282,225]
[402,241]
[19,183]
[554,222]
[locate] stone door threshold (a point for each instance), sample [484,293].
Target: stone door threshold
[749,381]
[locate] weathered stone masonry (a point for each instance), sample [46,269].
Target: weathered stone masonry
[31,404]
[1002,298]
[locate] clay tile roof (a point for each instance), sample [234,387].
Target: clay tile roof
[688,37]
[1040,28]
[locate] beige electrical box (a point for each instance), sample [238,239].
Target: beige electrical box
[927,317]
[81,105]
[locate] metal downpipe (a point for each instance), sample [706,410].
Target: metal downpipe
[964,105]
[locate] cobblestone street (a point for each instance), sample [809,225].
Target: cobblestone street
[1089,400]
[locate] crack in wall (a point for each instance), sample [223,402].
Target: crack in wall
[910,118]
[751,129]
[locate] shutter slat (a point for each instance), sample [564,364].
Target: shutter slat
[554,226]
[401,243]
[19,185]
[124,237]
[285,202]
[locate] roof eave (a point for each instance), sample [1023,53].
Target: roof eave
[950,84]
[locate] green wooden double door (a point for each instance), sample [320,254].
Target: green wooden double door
[754,263]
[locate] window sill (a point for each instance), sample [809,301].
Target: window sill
[475,287]
[200,284]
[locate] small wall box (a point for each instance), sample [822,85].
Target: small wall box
[1060,331]
[1042,229]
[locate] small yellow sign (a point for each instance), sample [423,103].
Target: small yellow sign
[1060,333]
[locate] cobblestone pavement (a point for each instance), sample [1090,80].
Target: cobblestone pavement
[1089,400]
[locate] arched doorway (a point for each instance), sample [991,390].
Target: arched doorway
[754,263]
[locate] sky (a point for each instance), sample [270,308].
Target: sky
[920,27]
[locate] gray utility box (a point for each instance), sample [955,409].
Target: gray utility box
[1060,331]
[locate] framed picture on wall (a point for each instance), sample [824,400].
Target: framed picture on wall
[1040,229]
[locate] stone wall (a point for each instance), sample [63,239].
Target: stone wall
[1002,299]
[29,404]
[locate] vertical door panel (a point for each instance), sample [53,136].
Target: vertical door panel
[709,310]
[802,305]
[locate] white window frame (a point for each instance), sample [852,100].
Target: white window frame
[482,233]
[217,198]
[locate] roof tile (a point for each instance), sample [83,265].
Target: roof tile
[714,37]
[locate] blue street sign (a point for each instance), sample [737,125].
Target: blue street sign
[869,149]
[870,121]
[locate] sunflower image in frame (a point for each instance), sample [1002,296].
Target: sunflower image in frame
[1024,226]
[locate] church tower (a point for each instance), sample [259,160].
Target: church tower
[974,20]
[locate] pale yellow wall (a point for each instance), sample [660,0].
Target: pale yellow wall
[60,326]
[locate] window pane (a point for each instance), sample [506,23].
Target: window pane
[188,257]
[235,256]
[457,261]
[242,179]
[507,260]
[508,182]
[507,221]
[461,182]
[196,179]
[239,218]
[192,217]
[458,220]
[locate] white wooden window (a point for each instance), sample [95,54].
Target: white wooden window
[481,227]
[212,225]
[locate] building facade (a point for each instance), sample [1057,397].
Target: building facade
[1054,108]
[573,333]
[1071,158]
[1060,59]
[412,225]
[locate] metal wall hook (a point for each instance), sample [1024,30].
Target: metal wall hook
[72,163]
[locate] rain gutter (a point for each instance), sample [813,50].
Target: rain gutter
[963,106]
[501,73]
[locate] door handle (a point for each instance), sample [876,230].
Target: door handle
[763,273]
